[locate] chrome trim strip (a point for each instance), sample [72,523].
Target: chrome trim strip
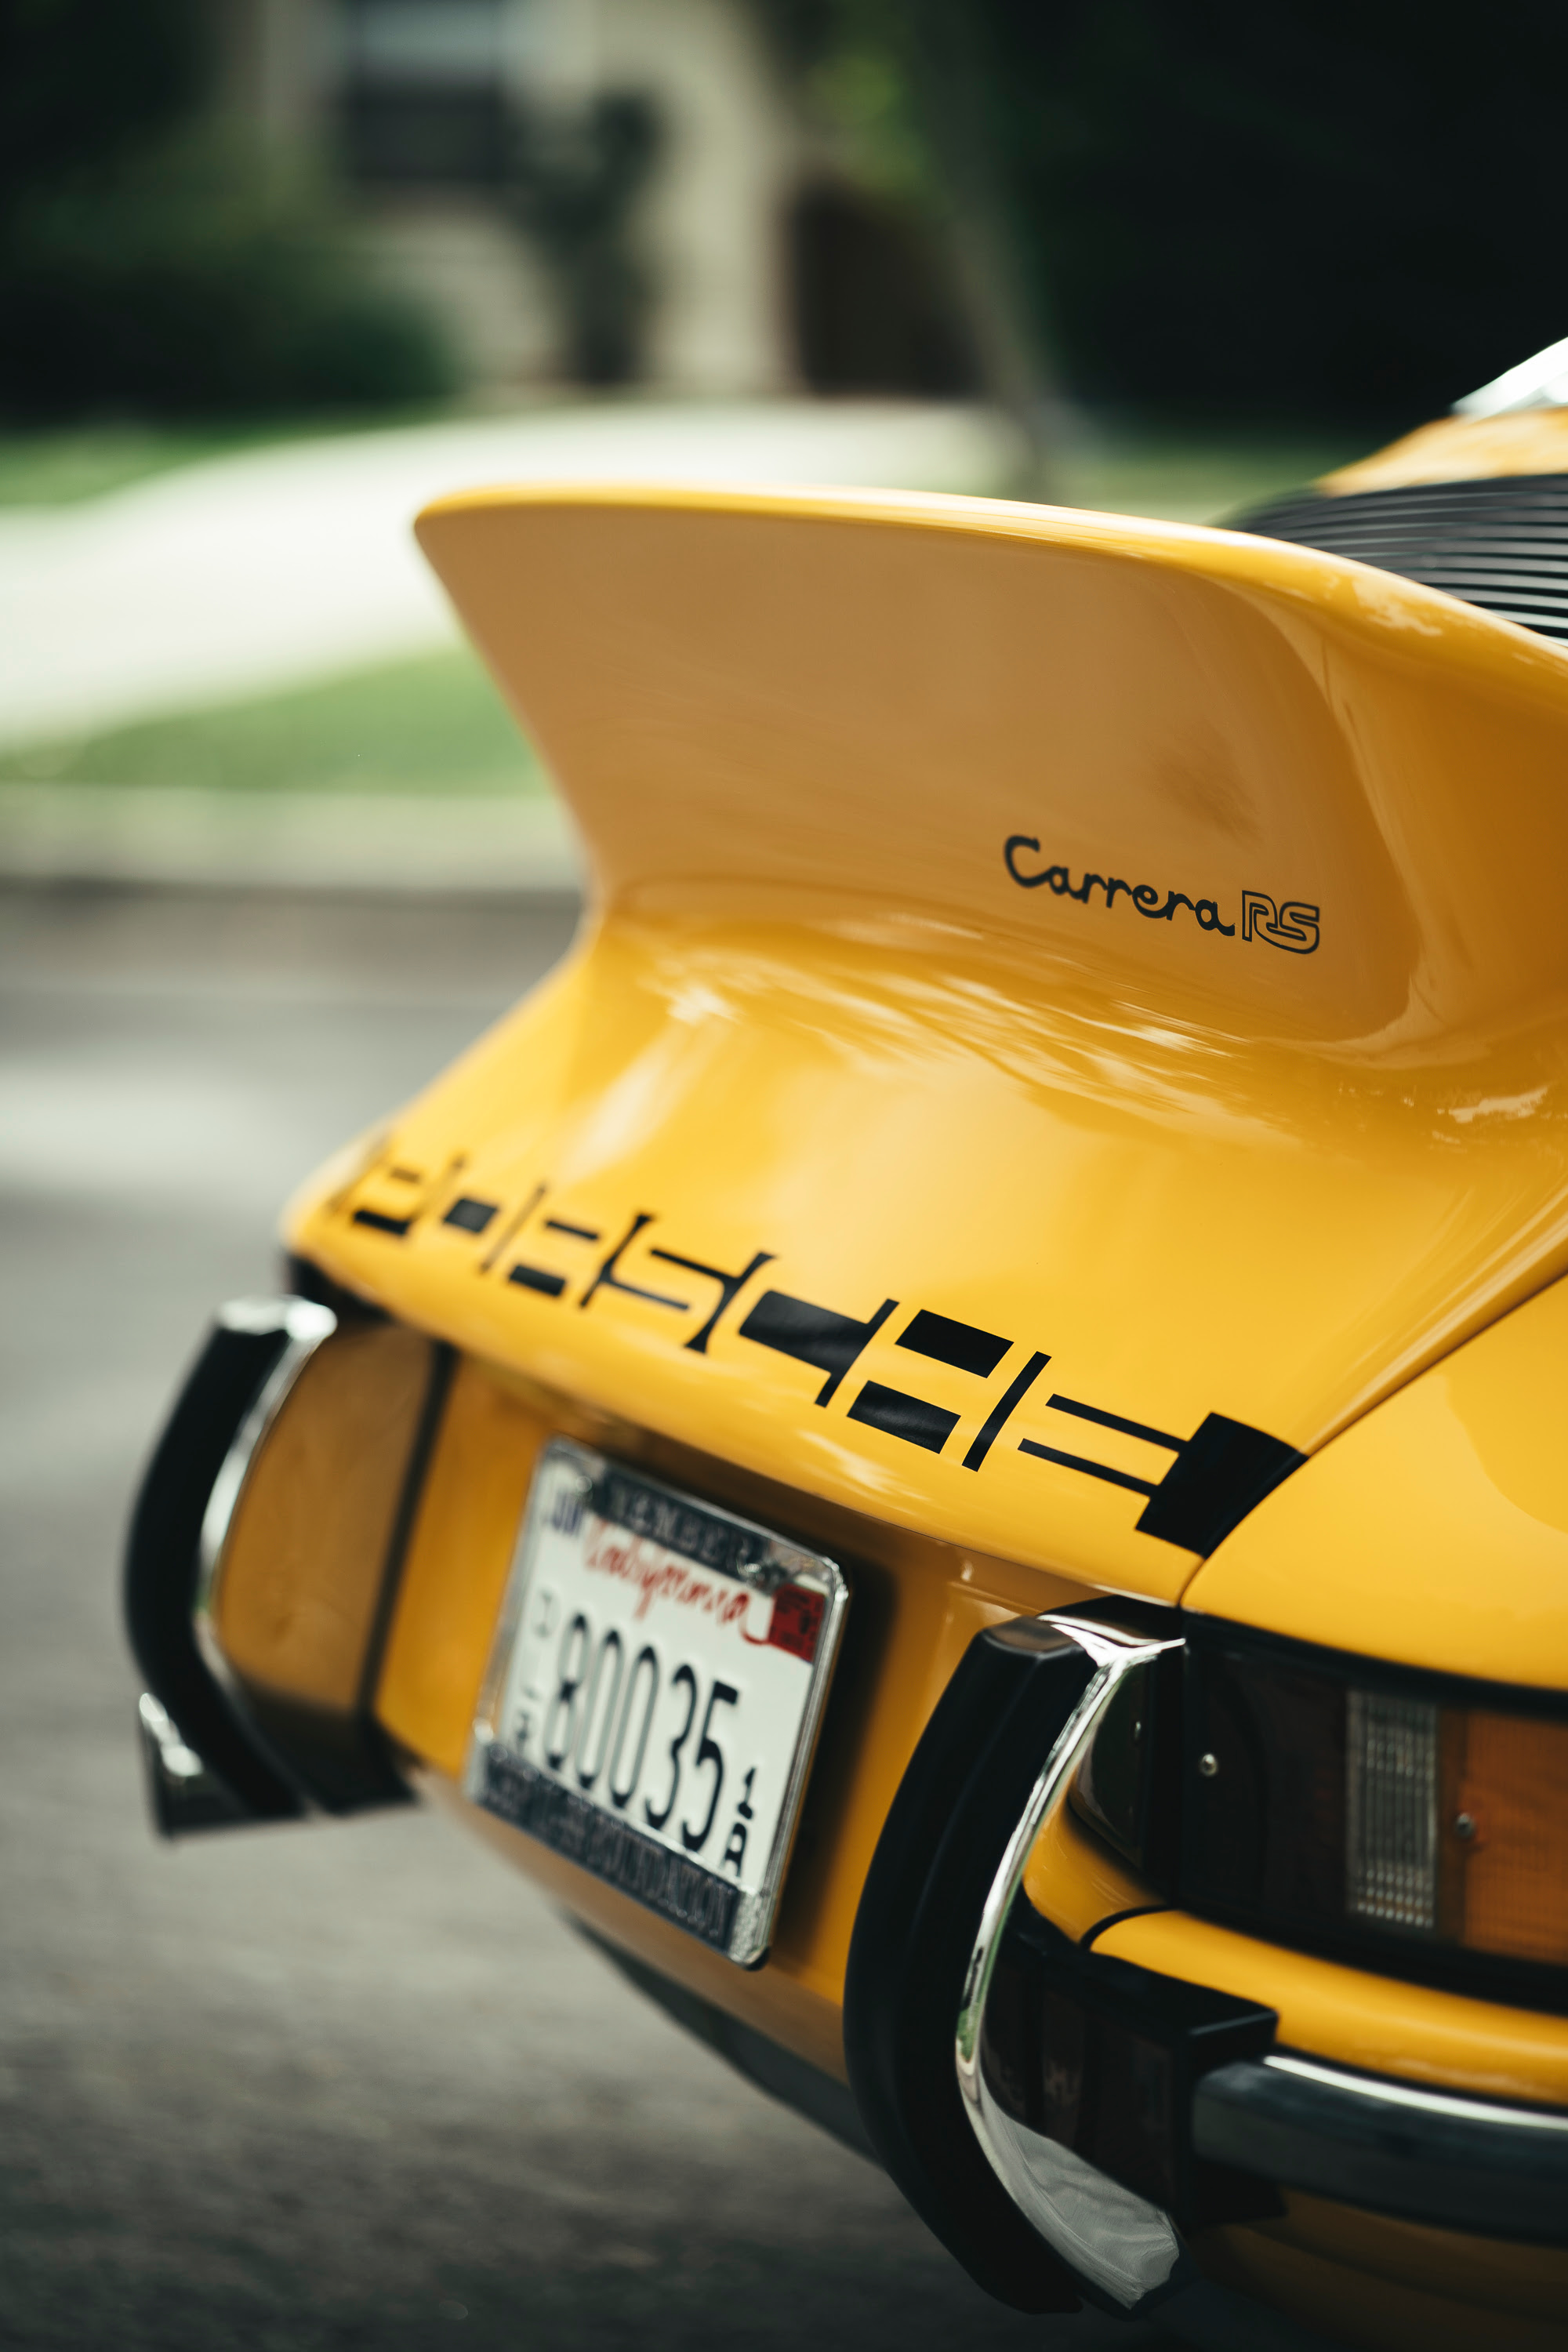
[1051,2186]
[181,1794]
[1366,2140]
[1539,381]
[1383,2091]
[1427,2155]
[1115,1652]
[304,1324]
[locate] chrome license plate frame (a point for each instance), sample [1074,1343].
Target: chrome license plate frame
[744,1623]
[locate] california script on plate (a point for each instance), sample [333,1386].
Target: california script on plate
[654,1694]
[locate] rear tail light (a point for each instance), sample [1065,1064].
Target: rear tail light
[1328,1799]
[1503,1845]
[1391,1810]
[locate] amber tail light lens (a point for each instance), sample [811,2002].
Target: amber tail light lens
[1328,1800]
[1503,1844]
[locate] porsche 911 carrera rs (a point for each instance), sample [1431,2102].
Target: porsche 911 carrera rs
[955,1433]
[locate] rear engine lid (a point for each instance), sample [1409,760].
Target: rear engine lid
[1073,1009]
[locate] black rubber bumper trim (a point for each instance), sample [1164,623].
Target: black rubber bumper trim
[163,1563]
[1453,2162]
[956,1808]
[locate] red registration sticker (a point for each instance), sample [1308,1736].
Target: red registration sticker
[796,1621]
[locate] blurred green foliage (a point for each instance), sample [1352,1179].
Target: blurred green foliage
[434,725]
[151,259]
[1351,207]
[84,81]
[1348,209]
[573,181]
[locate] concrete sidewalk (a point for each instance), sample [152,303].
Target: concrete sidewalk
[294,563]
[492,847]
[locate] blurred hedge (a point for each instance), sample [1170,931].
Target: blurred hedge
[1349,209]
[151,259]
[1317,207]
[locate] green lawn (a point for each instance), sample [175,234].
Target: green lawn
[1192,478]
[69,462]
[436,725]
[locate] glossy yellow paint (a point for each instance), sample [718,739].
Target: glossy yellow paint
[1370,2279]
[820,1034]
[1435,1532]
[1391,2286]
[300,1582]
[814,1016]
[917,1606]
[1461,449]
[1075,1881]
[1355,2019]
[454,1573]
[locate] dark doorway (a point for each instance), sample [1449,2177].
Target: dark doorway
[873,307]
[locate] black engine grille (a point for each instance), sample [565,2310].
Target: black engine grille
[1501,544]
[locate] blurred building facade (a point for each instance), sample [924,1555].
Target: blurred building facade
[599,188]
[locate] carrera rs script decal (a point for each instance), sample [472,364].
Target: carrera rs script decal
[563,1264]
[1288,923]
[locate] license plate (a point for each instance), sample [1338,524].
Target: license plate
[655,1693]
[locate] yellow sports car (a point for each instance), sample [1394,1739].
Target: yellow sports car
[957,1434]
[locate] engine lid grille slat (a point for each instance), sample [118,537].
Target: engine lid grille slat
[1500,543]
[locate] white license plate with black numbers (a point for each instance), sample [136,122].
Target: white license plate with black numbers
[655,1693]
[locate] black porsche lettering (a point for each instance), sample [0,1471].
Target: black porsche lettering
[996,1420]
[399,1223]
[962,1345]
[730,1286]
[512,1227]
[1090,1469]
[899,1415]
[966,1349]
[1223,1471]
[537,1278]
[1059,1404]
[380,1222]
[1102,1420]
[608,1279]
[812,1335]
[1218,1475]
[471,1216]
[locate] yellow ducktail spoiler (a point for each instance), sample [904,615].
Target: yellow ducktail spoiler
[1075,1010]
[1259,786]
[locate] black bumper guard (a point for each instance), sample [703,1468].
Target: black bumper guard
[1104,2112]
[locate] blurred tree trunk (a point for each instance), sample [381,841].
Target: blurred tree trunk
[952,71]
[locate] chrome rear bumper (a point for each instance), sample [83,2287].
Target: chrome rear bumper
[1456,2163]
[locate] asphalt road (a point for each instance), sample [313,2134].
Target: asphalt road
[342,2086]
